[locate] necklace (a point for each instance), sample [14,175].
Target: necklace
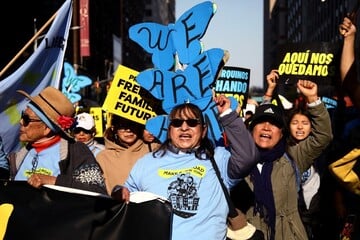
[34,163]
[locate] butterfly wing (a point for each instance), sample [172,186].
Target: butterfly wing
[72,83]
[158,127]
[80,82]
[190,28]
[194,83]
[73,97]
[155,39]
[69,74]
[183,37]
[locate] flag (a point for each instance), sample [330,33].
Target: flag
[55,212]
[84,29]
[42,69]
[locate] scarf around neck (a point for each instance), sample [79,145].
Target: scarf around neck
[264,197]
[39,146]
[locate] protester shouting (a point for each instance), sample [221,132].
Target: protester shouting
[51,156]
[181,170]
[275,181]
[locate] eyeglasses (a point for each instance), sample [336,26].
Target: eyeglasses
[192,122]
[27,120]
[79,130]
[124,127]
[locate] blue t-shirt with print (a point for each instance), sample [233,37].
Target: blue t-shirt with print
[192,187]
[45,162]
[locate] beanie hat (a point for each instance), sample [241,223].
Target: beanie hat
[268,112]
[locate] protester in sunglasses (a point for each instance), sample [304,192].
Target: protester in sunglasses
[51,156]
[26,120]
[85,131]
[123,147]
[181,170]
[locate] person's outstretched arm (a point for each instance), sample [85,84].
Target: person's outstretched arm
[244,153]
[348,30]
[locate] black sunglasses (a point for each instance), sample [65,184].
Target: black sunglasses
[192,122]
[79,130]
[27,120]
[125,126]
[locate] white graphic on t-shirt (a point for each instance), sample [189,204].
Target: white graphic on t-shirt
[182,193]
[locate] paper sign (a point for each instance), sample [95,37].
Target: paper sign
[123,98]
[317,62]
[234,81]
[96,112]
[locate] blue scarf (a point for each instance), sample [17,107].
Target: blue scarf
[264,198]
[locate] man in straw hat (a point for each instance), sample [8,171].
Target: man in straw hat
[51,156]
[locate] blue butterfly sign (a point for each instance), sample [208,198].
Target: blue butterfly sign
[193,82]
[181,38]
[191,85]
[73,83]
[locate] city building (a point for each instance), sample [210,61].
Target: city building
[108,22]
[296,21]
[301,21]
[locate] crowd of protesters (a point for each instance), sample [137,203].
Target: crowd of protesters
[298,169]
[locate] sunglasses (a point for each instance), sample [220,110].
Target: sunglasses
[27,120]
[79,130]
[192,122]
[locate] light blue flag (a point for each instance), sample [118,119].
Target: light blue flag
[42,69]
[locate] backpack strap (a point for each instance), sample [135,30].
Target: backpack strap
[15,160]
[232,210]
[64,145]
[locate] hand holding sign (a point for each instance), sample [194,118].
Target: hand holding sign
[193,84]
[222,103]
[347,27]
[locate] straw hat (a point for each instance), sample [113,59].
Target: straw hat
[55,106]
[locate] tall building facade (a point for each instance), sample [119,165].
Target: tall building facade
[301,21]
[108,23]
[110,45]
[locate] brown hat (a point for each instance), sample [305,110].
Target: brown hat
[55,106]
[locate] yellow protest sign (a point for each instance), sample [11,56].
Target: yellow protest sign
[123,98]
[315,61]
[306,63]
[96,112]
